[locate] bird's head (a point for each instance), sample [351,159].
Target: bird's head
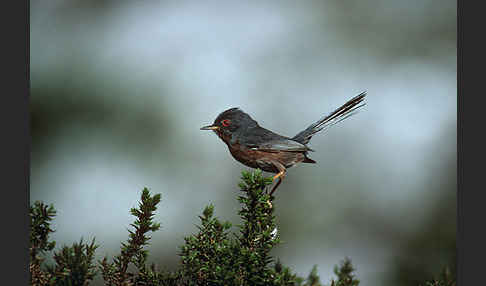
[229,122]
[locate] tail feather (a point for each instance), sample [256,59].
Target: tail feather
[308,160]
[343,112]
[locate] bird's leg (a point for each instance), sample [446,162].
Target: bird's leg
[281,170]
[276,186]
[280,175]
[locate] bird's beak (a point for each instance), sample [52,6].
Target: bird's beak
[210,127]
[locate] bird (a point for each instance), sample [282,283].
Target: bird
[260,148]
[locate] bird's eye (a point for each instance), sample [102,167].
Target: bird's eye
[225,122]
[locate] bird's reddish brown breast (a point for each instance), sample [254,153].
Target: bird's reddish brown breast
[245,155]
[262,159]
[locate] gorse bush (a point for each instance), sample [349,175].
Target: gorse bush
[212,256]
[40,228]
[215,257]
[132,252]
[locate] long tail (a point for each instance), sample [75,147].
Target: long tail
[343,112]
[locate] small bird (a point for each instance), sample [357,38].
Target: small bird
[257,147]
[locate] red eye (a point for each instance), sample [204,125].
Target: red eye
[226,122]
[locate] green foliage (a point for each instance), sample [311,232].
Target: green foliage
[212,256]
[40,228]
[313,278]
[115,273]
[74,264]
[444,279]
[345,274]
[206,256]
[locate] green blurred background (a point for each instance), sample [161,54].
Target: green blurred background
[119,90]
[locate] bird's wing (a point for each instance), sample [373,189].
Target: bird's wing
[261,139]
[282,145]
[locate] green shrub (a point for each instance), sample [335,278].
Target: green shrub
[211,256]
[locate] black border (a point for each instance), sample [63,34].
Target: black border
[471,236]
[15,141]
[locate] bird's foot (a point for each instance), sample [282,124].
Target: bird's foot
[280,175]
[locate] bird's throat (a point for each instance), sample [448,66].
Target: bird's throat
[225,136]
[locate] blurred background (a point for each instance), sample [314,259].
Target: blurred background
[119,90]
